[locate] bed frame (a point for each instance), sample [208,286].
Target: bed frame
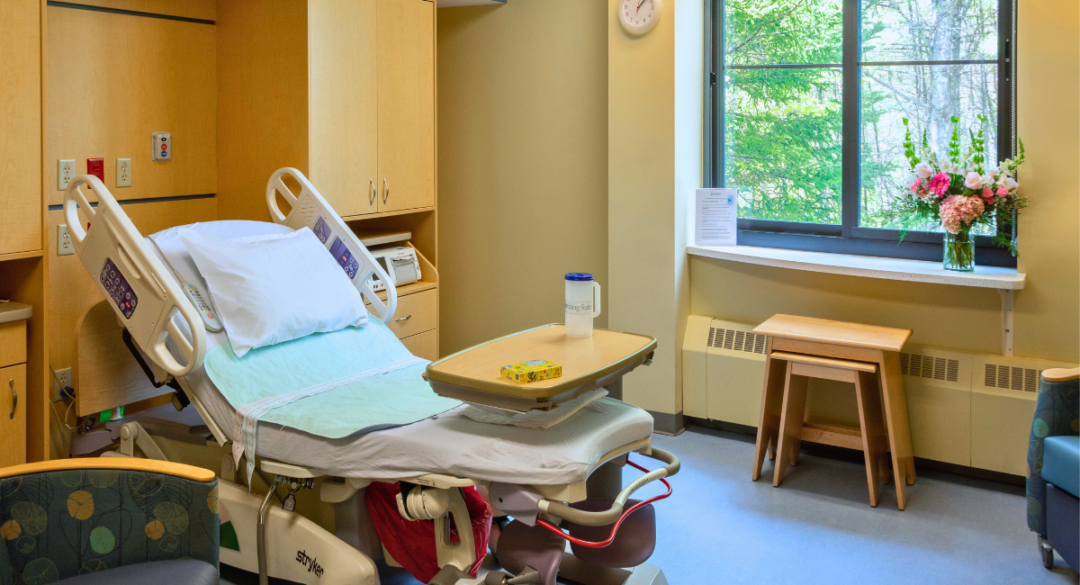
[269,539]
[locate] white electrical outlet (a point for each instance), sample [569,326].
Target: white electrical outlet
[62,377]
[123,172]
[65,172]
[63,241]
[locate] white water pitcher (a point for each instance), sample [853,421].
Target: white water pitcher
[582,303]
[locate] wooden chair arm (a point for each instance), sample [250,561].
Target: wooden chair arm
[121,463]
[1061,374]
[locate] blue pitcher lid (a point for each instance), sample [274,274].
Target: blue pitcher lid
[578,276]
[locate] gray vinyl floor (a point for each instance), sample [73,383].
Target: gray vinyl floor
[720,527]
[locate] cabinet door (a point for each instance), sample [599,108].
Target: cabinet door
[343,104]
[13,415]
[406,104]
[20,126]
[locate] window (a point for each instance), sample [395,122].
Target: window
[806,101]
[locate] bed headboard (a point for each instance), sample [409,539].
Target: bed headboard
[106,375]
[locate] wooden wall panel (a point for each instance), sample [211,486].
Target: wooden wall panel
[71,288]
[201,9]
[114,80]
[20,126]
[262,100]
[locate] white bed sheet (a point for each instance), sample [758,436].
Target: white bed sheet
[450,443]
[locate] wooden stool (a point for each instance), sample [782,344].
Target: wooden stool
[804,348]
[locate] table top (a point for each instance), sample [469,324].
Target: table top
[834,332]
[583,360]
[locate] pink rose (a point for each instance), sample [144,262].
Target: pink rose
[973,181]
[1011,184]
[987,193]
[939,185]
[1001,192]
[924,170]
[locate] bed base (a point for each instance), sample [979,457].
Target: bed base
[299,549]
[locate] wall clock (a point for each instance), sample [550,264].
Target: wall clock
[639,16]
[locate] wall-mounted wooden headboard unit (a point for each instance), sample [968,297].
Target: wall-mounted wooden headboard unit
[106,375]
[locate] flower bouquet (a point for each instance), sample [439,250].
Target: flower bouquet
[962,192]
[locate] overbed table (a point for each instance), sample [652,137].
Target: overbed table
[472,375]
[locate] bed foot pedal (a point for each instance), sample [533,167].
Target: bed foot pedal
[449,575]
[523,548]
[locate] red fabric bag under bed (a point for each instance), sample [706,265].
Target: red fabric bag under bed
[412,543]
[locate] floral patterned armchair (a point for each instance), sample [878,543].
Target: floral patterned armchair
[75,518]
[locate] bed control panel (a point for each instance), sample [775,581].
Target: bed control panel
[205,311]
[117,287]
[322,231]
[345,258]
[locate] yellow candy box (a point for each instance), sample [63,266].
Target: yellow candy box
[531,371]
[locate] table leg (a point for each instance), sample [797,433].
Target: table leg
[892,387]
[614,389]
[772,395]
[873,431]
[791,421]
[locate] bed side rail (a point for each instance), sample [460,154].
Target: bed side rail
[309,209]
[143,295]
[606,517]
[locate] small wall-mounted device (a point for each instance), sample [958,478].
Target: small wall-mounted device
[400,263]
[162,146]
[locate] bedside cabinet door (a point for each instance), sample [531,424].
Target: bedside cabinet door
[13,415]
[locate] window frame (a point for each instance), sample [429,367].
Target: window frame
[849,237]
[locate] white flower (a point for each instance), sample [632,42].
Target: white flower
[1011,184]
[973,181]
[924,170]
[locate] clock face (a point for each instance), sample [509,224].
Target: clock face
[639,16]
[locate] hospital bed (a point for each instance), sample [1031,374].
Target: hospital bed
[537,474]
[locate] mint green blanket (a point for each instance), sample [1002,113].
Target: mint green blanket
[327,384]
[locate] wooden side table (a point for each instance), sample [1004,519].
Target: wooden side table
[870,353]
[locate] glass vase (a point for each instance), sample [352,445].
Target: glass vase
[959,253]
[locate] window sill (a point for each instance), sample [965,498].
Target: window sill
[866,266]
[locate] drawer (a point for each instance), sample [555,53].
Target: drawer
[12,343]
[424,345]
[12,428]
[416,313]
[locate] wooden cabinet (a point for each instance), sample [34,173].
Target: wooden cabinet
[13,383]
[13,415]
[357,115]
[423,345]
[20,126]
[406,64]
[343,108]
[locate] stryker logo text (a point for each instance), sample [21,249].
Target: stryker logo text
[312,565]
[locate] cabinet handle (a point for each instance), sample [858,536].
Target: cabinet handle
[14,397]
[403,319]
[374,193]
[386,191]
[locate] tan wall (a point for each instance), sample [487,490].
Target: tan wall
[654,137]
[1047,310]
[523,157]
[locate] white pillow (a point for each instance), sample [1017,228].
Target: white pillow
[275,289]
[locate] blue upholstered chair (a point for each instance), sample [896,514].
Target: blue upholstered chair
[1053,486]
[108,521]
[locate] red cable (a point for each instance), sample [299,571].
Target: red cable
[614,529]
